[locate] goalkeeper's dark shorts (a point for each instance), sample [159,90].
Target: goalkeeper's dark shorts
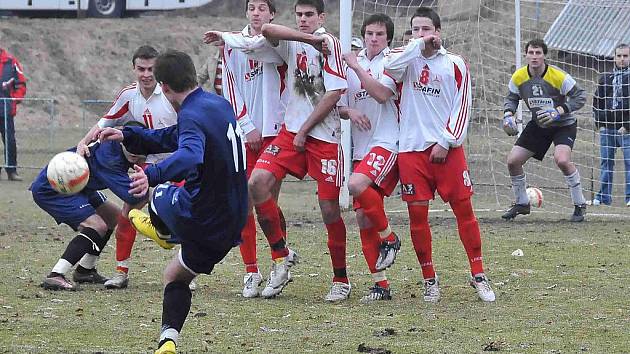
[538,140]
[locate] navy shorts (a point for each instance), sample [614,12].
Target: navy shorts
[71,210]
[197,254]
[538,140]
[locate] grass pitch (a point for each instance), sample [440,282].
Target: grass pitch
[568,293]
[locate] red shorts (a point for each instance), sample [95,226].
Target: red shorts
[252,156]
[321,160]
[381,167]
[420,178]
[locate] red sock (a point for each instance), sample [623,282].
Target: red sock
[125,238]
[469,234]
[372,203]
[421,238]
[248,246]
[337,249]
[370,242]
[269,221]
[283,223]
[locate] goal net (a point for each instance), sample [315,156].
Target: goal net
[581,35]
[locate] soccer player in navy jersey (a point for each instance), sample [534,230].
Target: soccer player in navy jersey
[207,214]
[88,212]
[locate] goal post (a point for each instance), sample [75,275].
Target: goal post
[345,36]
[491,35]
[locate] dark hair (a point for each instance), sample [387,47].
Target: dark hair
[317,4]
[407,33]
[144,52]
[429,13]
[537,43]
[270,3]
[175,69]
[382,19]
[621,46]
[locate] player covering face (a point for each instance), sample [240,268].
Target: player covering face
[435,105]
[369,104]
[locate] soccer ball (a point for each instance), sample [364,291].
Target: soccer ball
[68,172]
[535,197]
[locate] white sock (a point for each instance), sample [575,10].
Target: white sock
[62,266]
[383,234]
[123,263]
[379,276]
[169,333]
[575,186]
[88,261]
[519,188]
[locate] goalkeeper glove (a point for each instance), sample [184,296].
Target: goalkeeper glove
[509,124]
[547,116]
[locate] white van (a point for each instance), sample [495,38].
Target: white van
[99,8]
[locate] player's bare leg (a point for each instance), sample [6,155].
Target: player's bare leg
[562,157]
[515,161]
[362,189]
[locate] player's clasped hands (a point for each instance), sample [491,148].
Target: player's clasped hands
[509,124]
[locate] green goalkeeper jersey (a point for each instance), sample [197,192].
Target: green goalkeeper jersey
[555,88]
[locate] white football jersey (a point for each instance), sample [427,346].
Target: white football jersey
[154,113]
[310,74]
[256,90]
[436,99]
[383,117]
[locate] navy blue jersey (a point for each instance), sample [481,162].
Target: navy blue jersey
[108,170]
[209,154]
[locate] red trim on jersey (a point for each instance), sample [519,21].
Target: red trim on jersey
[458,76]
[126,88]
[240,113]
[388,75]
[399,87]
[463,111]
[282,72]
[121,112]
[336,50]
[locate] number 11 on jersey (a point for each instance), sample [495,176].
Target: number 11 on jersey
[235,135]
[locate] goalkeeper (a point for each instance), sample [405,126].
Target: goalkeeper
[551,96]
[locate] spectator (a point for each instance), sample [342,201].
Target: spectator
[212,71]
[611,110]
[406,37]
[13,85]
[356,45]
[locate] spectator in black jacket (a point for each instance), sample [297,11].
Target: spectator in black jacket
[611,109]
